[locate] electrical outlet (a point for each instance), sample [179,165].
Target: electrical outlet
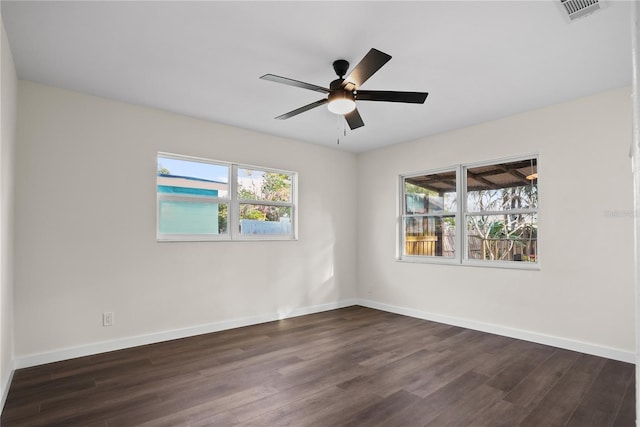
[107,318]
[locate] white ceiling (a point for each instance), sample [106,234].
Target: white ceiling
[479,60]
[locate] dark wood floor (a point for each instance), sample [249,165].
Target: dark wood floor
[354,366]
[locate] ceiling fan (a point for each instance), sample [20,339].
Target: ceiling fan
[344,92]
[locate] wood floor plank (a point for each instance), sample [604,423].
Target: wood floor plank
[52,387]
[521,367]
[304,411]
[465,412]
[500,359]
[353,366]
[133,388]
[499,414]
[534,387]
[397,374]
[559,404]
[82,413]
[379,412]
[453,367]
[600,405]
[495,344]
[209,409]
[448,396]
[627,412]
[344,409]
[461,337]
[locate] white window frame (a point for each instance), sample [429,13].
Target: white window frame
[233,204]
[404,215]
[236,202]
[461,256]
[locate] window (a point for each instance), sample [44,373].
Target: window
[265,202]
[430,206]
[501,214]
[485,214]
[198,200]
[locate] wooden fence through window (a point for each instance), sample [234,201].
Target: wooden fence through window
[479,248]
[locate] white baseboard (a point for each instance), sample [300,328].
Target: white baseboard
[119,344]
[105,346]
[4,387]
[568,344]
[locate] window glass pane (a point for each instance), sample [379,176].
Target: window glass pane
[261,185]
[430,236]
[264,219]
[432,193]
[192,217]
[512,237]
[187,177]
[505,186]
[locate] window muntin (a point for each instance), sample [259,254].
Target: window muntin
[498,215]
[197,200]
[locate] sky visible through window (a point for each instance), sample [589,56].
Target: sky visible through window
[249,179]
[194,169]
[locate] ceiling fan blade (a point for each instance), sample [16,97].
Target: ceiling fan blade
[296,83]
[391,96]
[353,119]
[371,63]
[302,109]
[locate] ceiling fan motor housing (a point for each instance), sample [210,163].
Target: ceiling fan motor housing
[340,67]
[336,85]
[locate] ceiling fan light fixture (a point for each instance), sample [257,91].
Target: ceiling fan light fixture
[341,102]
[342,92]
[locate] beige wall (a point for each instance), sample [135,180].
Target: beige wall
[584,291]
[86,171]
[8,92]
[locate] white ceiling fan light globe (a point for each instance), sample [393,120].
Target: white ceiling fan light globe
[341,102]
[342,106]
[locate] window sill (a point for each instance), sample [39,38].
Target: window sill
[225,239]
[505,265]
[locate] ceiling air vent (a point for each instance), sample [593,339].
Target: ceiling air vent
[578,8]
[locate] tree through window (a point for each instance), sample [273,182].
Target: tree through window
[502,211]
